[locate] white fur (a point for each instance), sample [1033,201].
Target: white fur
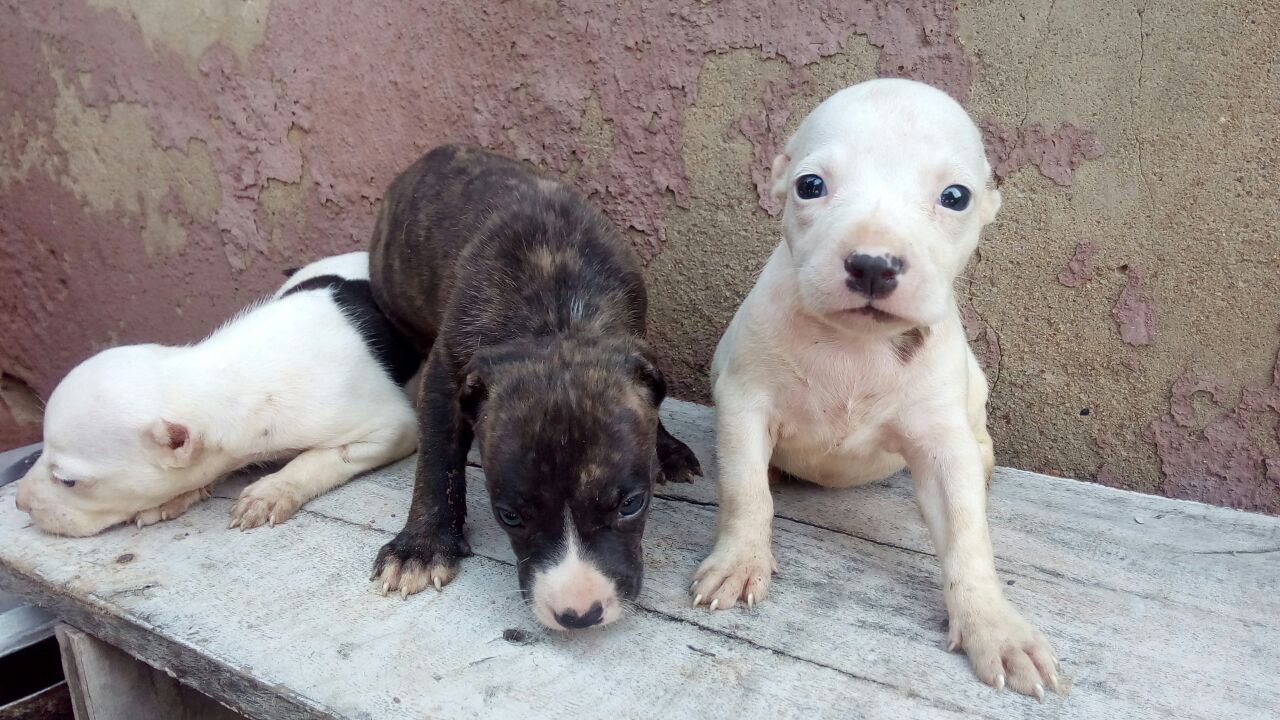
[574,583]
[805,383]
[143,430]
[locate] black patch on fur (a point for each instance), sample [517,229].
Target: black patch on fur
[355,298]
[906,345]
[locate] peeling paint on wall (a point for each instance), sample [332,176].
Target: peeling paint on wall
[191,27]
[1134,311]
[1232,458]
[767,131]
[1055,154]
[1080,267]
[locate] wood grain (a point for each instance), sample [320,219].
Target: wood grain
[1157,608]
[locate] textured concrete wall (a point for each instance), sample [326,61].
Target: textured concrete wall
[161,161]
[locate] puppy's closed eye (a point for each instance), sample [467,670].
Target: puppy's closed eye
[68,482]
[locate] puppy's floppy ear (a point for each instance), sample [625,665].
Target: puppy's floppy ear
[779,183]
[990,202]
[175,442]
[473,392]
[644,368]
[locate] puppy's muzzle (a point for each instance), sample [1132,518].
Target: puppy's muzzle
[873,275]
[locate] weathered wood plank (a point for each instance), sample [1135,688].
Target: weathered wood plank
[106,684]
[283,622]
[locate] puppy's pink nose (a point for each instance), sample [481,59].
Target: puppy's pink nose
[23,502]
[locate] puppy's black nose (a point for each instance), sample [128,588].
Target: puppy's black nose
[871,275]
[572,620]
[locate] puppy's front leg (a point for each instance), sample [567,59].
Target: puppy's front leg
[740,566]
[172,508]
[276,497]
[427,550]
[950,482]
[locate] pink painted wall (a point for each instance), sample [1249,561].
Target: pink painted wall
[159,165]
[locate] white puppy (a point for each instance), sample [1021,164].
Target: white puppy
[139,433]
[847,361]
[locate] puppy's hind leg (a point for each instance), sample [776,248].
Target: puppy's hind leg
[276,497]
[677,461]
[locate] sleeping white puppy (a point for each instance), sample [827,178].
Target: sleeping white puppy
[139,433]
[847,361]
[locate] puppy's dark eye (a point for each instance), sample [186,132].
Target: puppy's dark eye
[68,483]
[955,197]
[510,518]
[809,187]
[632,505]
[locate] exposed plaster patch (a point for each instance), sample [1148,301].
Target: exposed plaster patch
[1134,311]
[282,210]
[191,27]
[1056,154]
[111,161]
[766,131]
[1228,461]
[21,149]
[1080,267]
[594,141]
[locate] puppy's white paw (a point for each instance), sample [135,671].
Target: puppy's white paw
[171,508]
[1005,650]
[734,571]
[268,501]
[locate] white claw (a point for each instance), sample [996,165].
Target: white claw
[697,600]
[693,585]
[1039,692]
[139,521]
[404,592]
[386,587]
[271,521]
[231,524]
[1000,683]
[751,601]
[952,645]
[436,582]
[1053,683]
[714,604]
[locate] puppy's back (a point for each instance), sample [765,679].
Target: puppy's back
[464,217]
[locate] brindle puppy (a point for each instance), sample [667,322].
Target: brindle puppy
[530,309]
